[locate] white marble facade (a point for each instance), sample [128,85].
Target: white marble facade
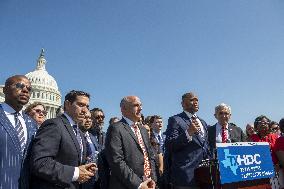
[45,89]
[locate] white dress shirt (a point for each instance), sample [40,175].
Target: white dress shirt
[158,134]
[219,133]
[10,113]
[189,115]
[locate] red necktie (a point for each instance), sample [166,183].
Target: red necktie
[224,135]
[147,167]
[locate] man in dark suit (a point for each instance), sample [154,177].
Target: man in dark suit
[98,118]
[92,150]
[16,132]
[156,124]
[223,131]
[186,144]
[59,148]
[128,149]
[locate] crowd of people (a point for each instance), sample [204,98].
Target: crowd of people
[72,151]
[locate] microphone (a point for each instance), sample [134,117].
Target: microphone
[194,117]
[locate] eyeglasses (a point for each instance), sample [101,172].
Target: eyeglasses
[40,111]
[100,116]
[22,86]
[275,129]
[262,122]
[250,129]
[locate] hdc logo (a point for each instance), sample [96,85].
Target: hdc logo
[237,160]
[248,159]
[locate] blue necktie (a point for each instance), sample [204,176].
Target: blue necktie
[78,137]
[88,147]
[160,139]
[92,154]
[20,131]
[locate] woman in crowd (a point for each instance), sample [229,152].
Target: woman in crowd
[274,128]
[249,132]
[279,151]
[263,134]
[37,112]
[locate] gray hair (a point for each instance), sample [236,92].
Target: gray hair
[222,106]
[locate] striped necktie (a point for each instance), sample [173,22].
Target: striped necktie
[160,139]
[20,131]
[92,154]
[224,135]
[147,166]
[79,139]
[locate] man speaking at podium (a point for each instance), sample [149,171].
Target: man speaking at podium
[186,144]
[223,131]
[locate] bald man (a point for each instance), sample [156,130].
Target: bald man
[128,149]
[16,132]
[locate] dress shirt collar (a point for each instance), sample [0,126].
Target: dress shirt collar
[69,119]
[87,134]
[128,121]
[219,126]
[189,115]
[9,110]
[156,134]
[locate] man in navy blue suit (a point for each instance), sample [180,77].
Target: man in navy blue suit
[16,133]
[186,144]
[156,122]
[93,149]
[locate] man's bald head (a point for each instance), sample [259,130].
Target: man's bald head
[131,108]
[17,91]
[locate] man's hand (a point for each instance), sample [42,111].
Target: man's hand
[86,172]
[194,127]
[148,184]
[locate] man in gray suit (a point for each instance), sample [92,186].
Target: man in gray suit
[128,149]
[223,131]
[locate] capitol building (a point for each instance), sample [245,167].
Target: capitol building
[44,88]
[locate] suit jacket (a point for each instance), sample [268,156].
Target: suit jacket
[182,156]
[161,145]
[14,168]
[55,154]
[235,135]
[93,182]
[95,134]
[125,156]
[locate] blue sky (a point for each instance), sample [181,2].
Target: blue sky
[227,51]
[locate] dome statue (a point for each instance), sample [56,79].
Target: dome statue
[45,89]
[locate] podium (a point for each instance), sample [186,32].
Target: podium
[239,166]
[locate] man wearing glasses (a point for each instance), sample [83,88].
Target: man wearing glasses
[98,118]
[37,112]
[16,132]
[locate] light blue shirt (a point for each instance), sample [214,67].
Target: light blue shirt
[10,113]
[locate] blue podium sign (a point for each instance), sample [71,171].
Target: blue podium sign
[244,161]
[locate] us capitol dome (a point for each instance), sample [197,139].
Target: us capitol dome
[44,88]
